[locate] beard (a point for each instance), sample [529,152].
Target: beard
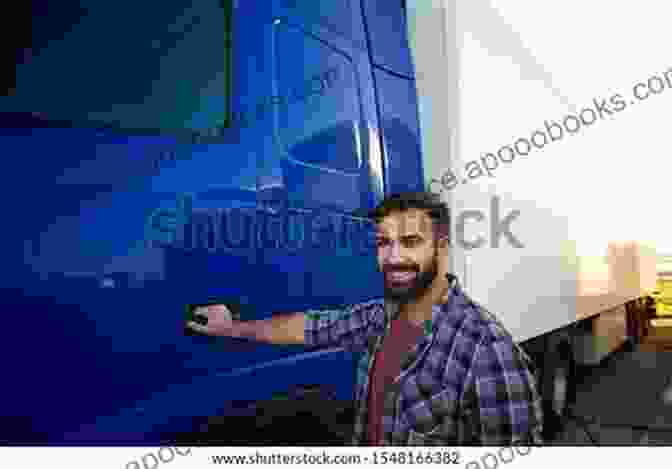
[404,291]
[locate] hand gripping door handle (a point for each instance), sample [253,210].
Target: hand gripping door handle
[233,305]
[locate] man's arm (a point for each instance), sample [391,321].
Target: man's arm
[347,327]
[282,329]
[217,320]
[506,406]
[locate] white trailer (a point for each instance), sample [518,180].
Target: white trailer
[528,112]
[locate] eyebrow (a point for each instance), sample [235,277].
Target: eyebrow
[408,236]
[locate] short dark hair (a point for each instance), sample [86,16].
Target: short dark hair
[429,202]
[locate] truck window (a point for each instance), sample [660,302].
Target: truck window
[130,66]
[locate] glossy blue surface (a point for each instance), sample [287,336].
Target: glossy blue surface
[101,254]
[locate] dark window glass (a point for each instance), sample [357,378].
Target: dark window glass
[139,66]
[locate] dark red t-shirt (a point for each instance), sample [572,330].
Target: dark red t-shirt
[387,366]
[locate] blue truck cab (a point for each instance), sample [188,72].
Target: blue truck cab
[165,155]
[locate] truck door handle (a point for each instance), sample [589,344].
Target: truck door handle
[233,305]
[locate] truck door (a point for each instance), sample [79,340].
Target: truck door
[125,226]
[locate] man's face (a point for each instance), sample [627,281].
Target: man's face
[407,254]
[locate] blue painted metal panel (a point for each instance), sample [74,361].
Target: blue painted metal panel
[108,236]
[400,130]
[386,24]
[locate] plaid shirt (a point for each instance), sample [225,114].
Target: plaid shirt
[467,382]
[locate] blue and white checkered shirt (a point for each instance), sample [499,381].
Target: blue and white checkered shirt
[465,383]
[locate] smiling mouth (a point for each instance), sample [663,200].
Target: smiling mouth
[400,276]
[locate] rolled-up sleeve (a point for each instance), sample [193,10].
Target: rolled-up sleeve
[506,406]
[349,327]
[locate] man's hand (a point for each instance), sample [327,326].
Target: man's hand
[212,320]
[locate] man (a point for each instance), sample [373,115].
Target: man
[437,369]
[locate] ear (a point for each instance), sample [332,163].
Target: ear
[442,291]
[443,243]
[444,258]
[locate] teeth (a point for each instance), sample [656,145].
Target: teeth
[401,275]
